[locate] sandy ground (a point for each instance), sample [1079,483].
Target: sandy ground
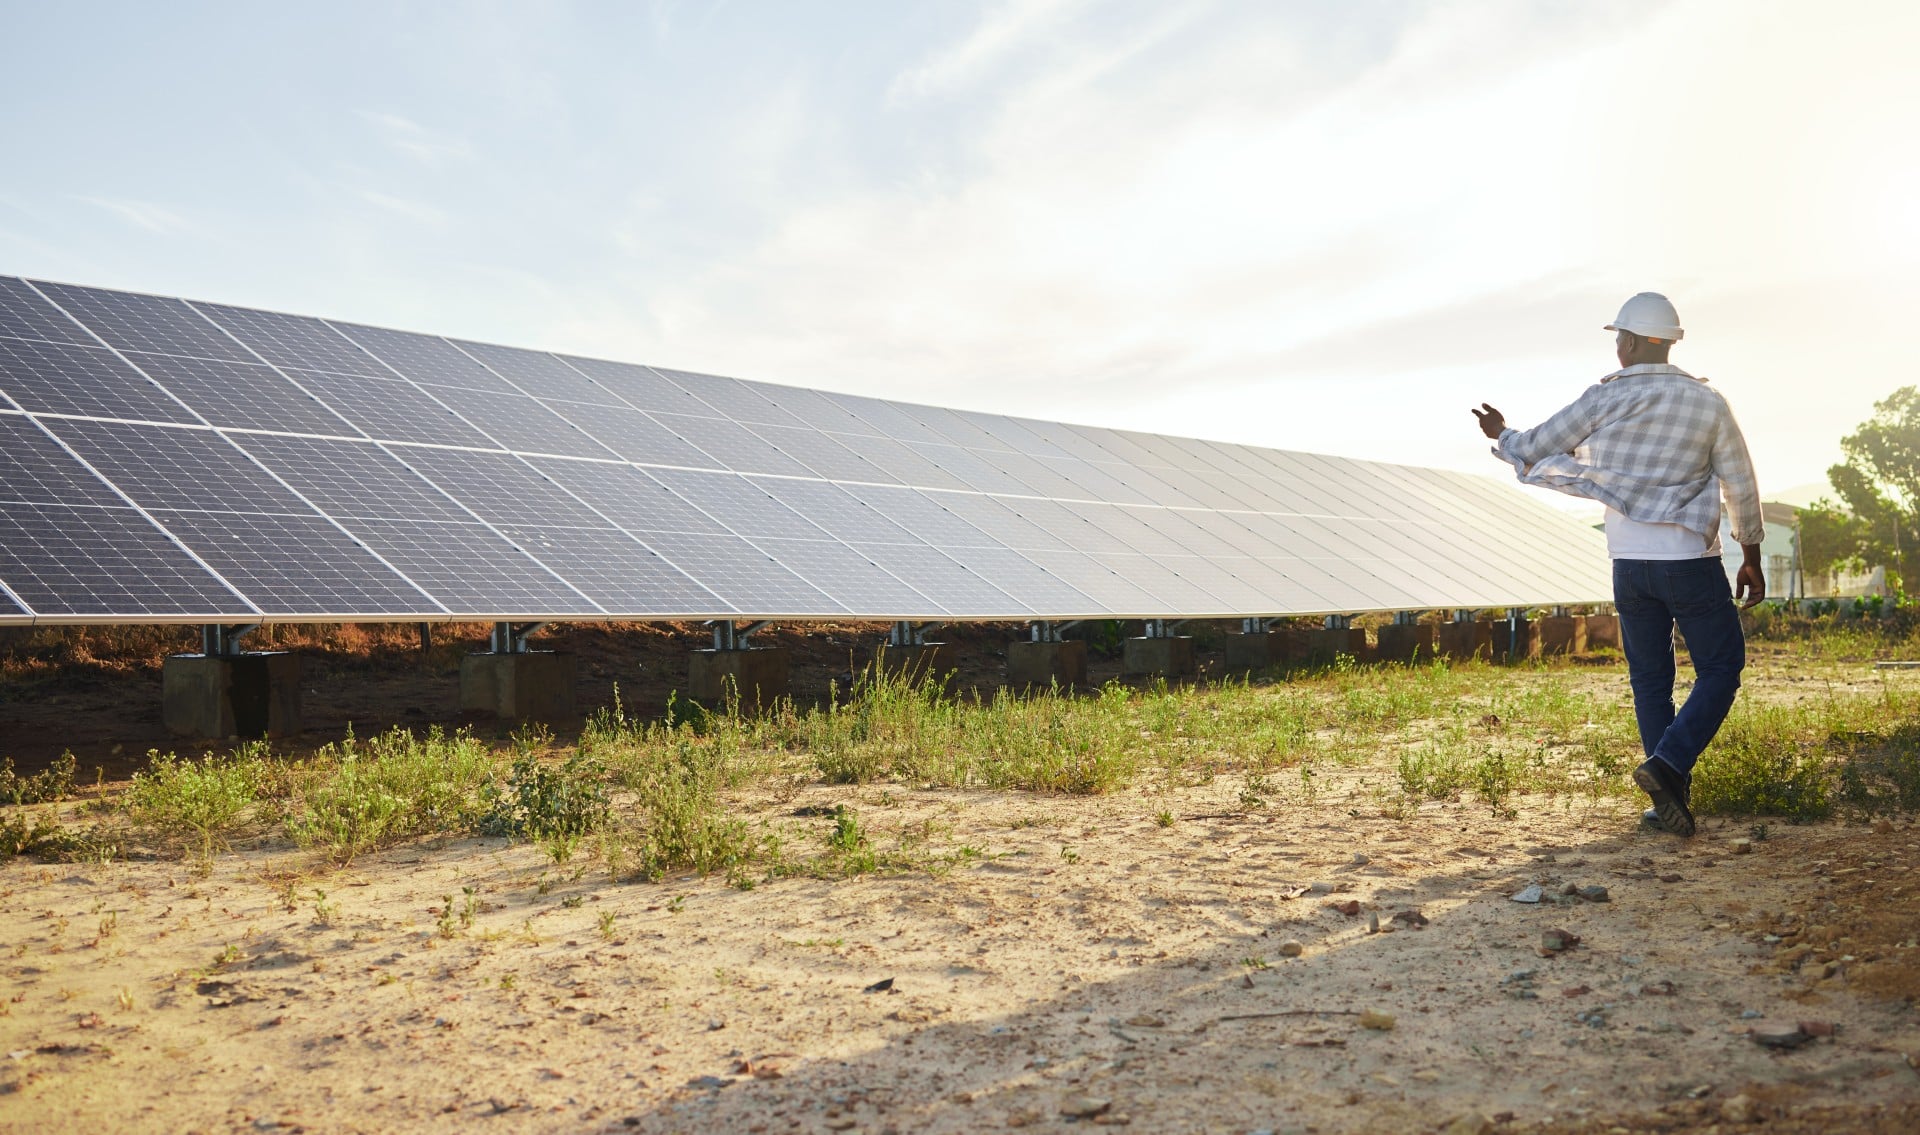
[1091,966]
[1095,958]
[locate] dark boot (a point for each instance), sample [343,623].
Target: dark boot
[1669,789]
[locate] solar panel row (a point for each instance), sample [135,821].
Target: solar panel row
[162,459]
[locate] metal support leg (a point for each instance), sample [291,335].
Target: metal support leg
[1163,628]
[1050,632]
[1258,625]
[1339,622]
[728,636]
[905,633]
[1463,615]
[217,640]
[1406,618]
[511,638]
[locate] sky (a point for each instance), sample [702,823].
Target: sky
[1327,226]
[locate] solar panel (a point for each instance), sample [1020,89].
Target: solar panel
[165,459]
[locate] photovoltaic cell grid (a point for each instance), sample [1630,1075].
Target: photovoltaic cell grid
[172,460]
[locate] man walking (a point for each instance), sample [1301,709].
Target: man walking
[1658,448]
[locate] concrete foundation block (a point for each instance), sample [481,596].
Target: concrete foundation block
[1603,631]
[1404,642]
[759,676]
[1324,645]
[1169,657]
[1515,640]
[535,686]
[1563,634]
[245,696]
[1040,665]
[1462,641]
[1260,650]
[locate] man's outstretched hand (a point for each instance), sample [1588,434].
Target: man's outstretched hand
[1492,422]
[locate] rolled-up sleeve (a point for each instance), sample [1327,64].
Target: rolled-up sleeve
[1562,433]
[1734,467]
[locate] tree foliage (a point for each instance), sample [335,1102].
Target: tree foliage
[1880,485]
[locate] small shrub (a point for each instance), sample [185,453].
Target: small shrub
[546,803]
[201,799]
[22,832]
[55,782]
[677,819]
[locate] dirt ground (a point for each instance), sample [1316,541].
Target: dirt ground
[1092,966]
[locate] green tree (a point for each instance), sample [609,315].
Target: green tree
[1880,484]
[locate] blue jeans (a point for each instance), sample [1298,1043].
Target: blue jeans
[1651,597]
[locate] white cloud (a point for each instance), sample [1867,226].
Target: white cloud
[1008,30]
[145,215]
[414,141]
[417,211]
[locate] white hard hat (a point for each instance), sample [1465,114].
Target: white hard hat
[1649,314]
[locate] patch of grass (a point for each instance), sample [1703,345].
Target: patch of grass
[55,782]
[202,800]
[369,794]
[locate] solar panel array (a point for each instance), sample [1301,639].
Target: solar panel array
[170,460]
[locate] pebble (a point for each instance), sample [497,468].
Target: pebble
[1738,1109]
[1530,893]
[1557,940]
[1472,1123]
[1779,1036]
[1742,846]
[1084,1107]
[1594,892]
[1291,948]
[1379,1022]
[1373,922]
[1751,1014]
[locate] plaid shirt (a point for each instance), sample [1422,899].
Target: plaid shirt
[1652,442]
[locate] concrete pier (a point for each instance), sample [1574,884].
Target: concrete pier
[759,675]
[1324,645]
[226,696]
[1603,631]
[1040,665]
[1515,640]
[1254,651]
[1170,656]
[534,685]
[1461,640]
[1563,634]
[1404,642]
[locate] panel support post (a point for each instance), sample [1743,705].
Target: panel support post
[908,653]
[225,692]
[512,682]
[1337,636]
[1405,640]
[1046,658]
[1159,651]
[734,672]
